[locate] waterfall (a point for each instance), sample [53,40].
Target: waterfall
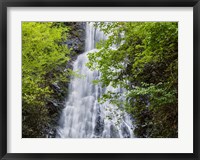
[83,116]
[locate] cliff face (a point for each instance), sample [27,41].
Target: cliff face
[76,37]
[76,42]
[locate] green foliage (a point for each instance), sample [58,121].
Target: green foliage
[43,55]
[144,61]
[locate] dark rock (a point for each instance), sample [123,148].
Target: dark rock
[99,127]
[99,92]
[52,133]
[76,37]
[114,133]
[125,131]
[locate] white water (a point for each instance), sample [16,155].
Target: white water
[83,116]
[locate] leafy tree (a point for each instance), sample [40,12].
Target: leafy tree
[141,57]
[43,55]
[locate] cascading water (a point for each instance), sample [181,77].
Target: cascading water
[83,116]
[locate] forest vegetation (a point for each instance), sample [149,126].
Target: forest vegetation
[48,49]
[144,62]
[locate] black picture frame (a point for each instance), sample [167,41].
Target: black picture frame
[98,3]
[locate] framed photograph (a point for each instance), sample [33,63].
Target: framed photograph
[99,79]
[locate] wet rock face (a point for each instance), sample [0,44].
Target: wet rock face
[114,132]
[76,37]
[99,127]
[52,133]
[125,131]
[99,123]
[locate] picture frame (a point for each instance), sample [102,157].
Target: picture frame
[4,4]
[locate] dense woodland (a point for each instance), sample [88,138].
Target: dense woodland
[48,49]
[143,61]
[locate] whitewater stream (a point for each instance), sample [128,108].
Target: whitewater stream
[83,116]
